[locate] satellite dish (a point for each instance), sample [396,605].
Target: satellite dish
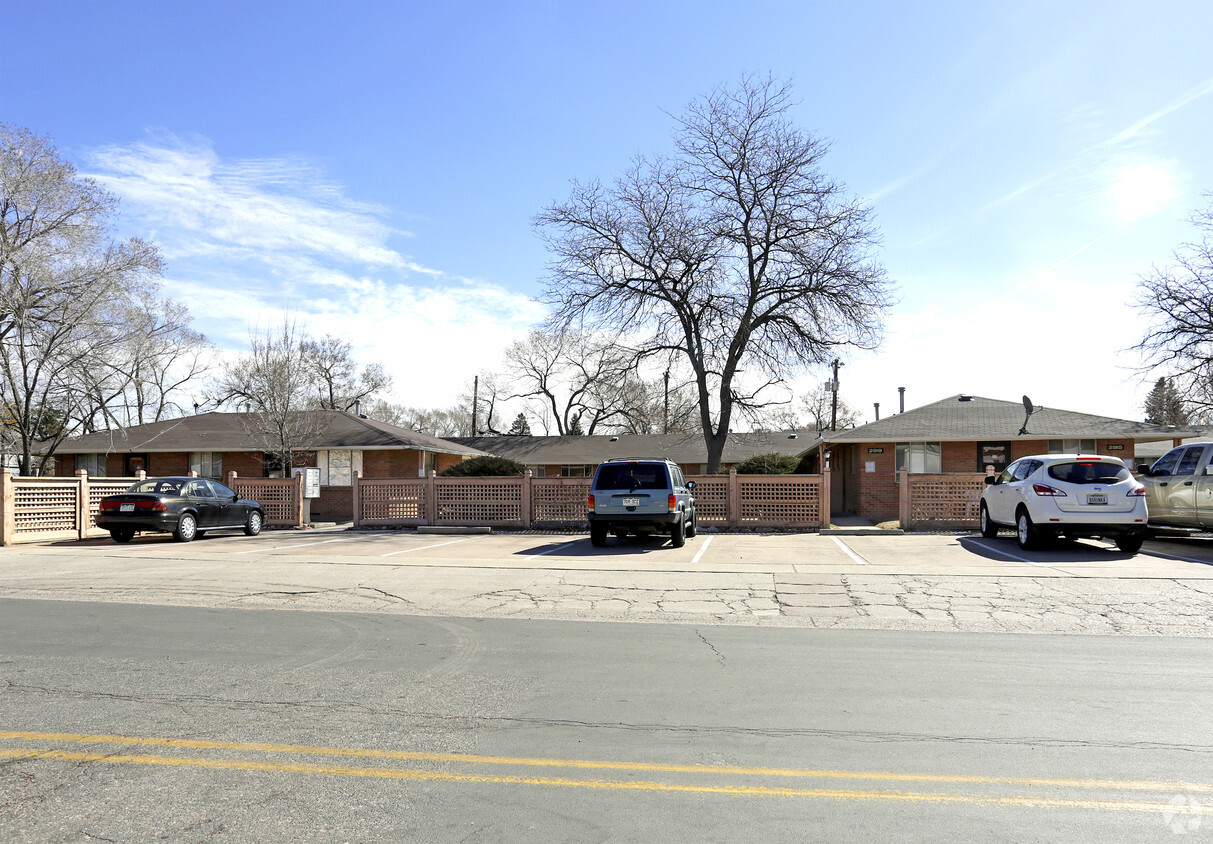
[1029,409]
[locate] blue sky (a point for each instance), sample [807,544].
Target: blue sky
[373,167]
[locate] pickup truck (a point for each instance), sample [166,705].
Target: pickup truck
[1179,487]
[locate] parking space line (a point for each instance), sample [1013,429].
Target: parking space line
[1005,554]
[849,552]
[699,556]
[422,548]
[1174,557]
[553,550]
[280,547]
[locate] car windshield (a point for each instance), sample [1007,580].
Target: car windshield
[1088,472]
[157,487]
[632,476]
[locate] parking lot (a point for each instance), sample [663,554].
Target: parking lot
[939,582]
[783,553]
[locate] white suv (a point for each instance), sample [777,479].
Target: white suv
[1067,495]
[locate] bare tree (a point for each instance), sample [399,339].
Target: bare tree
[573,376]
[342,385]
[813,411]
[1178,301]
[275,385]
[77,309]
[448,422]
[737,251]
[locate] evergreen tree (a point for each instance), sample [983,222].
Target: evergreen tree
[1165,406]
[520,428]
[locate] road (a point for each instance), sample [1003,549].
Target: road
[126,722]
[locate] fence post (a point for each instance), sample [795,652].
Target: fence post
[357,488]
[825,495]
[903,499]
[8,508]
[526,499]
[431,498]
[231,480]
[82,502]
[297,501]
[732,501]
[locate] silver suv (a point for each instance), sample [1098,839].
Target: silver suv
[641,497]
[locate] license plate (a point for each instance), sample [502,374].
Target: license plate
[1097,499]
[631,502]
[126,508]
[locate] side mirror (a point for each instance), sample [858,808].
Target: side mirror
[991,479]
[690,484]
[235,497]
[1143,469]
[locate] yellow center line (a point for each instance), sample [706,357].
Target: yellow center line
[639,767]
[633,785]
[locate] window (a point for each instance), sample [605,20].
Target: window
[536,471]
[1071,446]
[1190,460]
[1166,464]
[997,455]
[576,471]
[208,464]
[920,458]
[94,464]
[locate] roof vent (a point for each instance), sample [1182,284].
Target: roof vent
[792,436]
[614,439]
[964,398]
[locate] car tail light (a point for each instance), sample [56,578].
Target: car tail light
[1045,489]
[1137,490]
[673,503]
[144,506]
[589,504]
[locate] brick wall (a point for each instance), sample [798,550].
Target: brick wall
[335,502]
[403,463]
[168,463]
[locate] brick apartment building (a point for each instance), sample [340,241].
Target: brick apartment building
[965,434]
[213,444]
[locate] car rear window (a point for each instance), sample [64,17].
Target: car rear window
[161,487]
[632,476]
[1089,472]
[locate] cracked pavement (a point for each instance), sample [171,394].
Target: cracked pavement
[929,583]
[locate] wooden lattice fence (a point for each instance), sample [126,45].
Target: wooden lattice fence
[940,501]
[799,501]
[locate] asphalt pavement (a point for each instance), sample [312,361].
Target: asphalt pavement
[928,582]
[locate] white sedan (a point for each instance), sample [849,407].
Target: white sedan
[1068,495]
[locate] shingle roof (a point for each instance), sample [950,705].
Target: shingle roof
[962,417]
[227,432]
[683,448]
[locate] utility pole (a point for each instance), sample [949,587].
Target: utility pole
[834,411]
[475,402]
[665,425]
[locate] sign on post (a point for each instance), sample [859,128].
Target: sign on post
[311,481]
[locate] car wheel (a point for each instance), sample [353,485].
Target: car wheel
[678,533]
[253,526]
[988,529]
[598,535]
[691,528]
[1025,531]
[122,534]
[1130,543]
[187,528]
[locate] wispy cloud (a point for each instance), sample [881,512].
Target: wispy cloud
[250,242]
[1202,90]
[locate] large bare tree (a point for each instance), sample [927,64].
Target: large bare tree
[276,388]
[737,251]
[342,385]
[80,313]
[1177,299]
